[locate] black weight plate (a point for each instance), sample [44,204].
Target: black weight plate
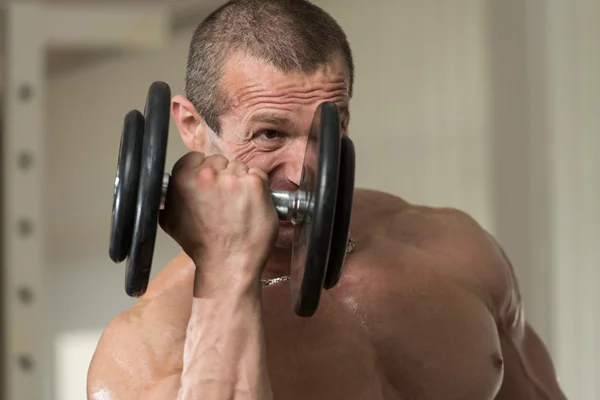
[343,215]
[312,237]
[126,186]
[154,155]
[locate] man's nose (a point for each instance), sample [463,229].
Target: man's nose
[293,168]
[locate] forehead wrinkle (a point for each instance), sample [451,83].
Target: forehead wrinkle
[291,92]
[317,95]
[282,84]
[288,103]
[311,84]
[240,65]
[279,90]
[294,98]
[284,94]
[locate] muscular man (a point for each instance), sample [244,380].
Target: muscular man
[427,307]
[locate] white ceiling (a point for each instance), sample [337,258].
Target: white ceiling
[183,13]
[176,5]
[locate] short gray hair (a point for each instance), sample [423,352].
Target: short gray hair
[293,35]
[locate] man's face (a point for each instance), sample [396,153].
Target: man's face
[269,120]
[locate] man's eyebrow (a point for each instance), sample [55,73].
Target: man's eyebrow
[271,118]
[274,119]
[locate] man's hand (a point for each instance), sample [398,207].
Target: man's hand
[222,215]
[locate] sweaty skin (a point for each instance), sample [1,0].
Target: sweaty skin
[427,307]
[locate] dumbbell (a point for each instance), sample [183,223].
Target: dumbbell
[320,209]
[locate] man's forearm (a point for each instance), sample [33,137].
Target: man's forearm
[224,355]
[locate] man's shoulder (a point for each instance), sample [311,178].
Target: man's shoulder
[439,225]
[444,241]
[373,200]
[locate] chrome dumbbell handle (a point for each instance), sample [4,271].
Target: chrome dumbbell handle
[290,206]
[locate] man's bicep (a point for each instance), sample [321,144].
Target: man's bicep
[110,369]
[123,362]
[529,372]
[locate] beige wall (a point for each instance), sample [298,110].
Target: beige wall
[430,106]
[572,107]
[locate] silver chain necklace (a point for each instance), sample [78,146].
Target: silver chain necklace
[267,282]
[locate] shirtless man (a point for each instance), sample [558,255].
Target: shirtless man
[427,307]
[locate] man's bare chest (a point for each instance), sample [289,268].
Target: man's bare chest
[388,331]
[371,339]
[327,356]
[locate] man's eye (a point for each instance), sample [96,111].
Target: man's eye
[269,135]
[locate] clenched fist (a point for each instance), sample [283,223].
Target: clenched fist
[222,215]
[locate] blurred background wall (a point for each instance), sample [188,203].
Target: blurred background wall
[487,106]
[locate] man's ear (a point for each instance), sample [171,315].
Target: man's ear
[192,127]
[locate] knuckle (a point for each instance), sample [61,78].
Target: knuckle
[178,178]
[178,166]
[217,159]
[238,164]
[258,172]
[190,159]
[255,182]
[229,182]
[207,174]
